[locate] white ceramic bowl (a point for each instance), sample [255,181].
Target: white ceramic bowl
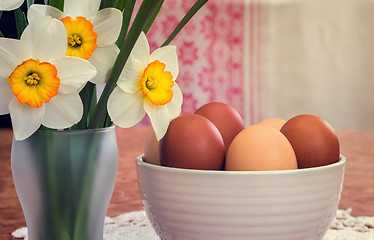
[213,205]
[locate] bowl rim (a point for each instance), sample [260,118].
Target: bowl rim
[141,163]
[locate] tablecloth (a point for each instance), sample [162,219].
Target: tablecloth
[135,226]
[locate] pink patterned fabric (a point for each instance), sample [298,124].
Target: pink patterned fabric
[211,53]
[275,59]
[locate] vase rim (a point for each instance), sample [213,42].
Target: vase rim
[76,131]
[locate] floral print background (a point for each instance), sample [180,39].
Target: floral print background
[211,51]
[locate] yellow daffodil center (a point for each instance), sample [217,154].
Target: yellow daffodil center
[32,79]
[34,83]
[156,83]
[81,37]
[74,41]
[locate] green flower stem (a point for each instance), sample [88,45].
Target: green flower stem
[89,99]
[93,103]
[29,3]
[59,4]
[20,21]
[145,12]
[120,4]
[55,227]
[185,20]
[153,18]
[106,4]
[67,185]
[129,8]
[80,228]
[108,121]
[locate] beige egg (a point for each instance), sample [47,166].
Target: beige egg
[273,122]
[151,152]
[260,148]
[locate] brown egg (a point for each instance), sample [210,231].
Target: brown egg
[260,148]
[151,149]
[227,120]
[273,122]
[313,140]
[192,142]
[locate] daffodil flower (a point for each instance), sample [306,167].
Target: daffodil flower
[38,83]
[147,85]
[7,5]
[91,33]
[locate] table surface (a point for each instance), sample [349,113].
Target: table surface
[358,191]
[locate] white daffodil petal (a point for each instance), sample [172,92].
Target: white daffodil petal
[8,5]
[84,8]
[103,60]
[159,116]
[167,55]
[141,50]
[6,95]
[62,111]
[12,53]
[107,24]
[25,119]
[125,109]
[73,73]
[47,38]
[174,106]
[38,11]
[130,76]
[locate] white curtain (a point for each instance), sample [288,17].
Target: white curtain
[320,60]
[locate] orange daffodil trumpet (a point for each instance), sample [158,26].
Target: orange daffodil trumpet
[39,84]
[91,33]
[147,85]
[7,5]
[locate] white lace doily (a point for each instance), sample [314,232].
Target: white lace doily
[135,226]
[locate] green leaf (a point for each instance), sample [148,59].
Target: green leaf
[21,22]
[129,8]
[59,4]
[146,10]
[108,121]
[153,18]
[93,103]
[30,2]
[120,4]
[106,4]
[185,20]
[1,35]
[88,96]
